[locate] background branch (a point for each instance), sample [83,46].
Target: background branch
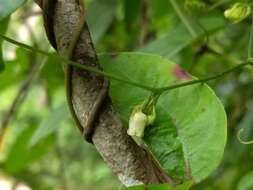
[20,97]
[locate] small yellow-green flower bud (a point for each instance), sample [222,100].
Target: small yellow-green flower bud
[137,124]
[194,5]
[238,12]
[142,116]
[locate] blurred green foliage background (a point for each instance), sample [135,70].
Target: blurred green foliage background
[41,146]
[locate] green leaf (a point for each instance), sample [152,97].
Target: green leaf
[185,186]
[7,7]
[99,17]
[3,28]
[15,70]
[50,124]
[246,182]
[170,44]
[21,155]
[189,134]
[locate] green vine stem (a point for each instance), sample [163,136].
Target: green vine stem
[250,39]
[183,18]
[240,139]
[73,63]
[205,80]
[109,76]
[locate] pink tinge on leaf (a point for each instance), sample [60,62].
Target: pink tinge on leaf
[180,73]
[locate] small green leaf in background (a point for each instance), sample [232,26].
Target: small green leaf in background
[22,155]
[55,119]
[170,44]
[7,7]
[15,69]
[246,182]
[189,135]
[99,17]
[3,29]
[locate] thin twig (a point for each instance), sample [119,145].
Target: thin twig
[183,18]
[205,80]
[23,90]
[20,97]
[219,3]
[144,21]
[250,40]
